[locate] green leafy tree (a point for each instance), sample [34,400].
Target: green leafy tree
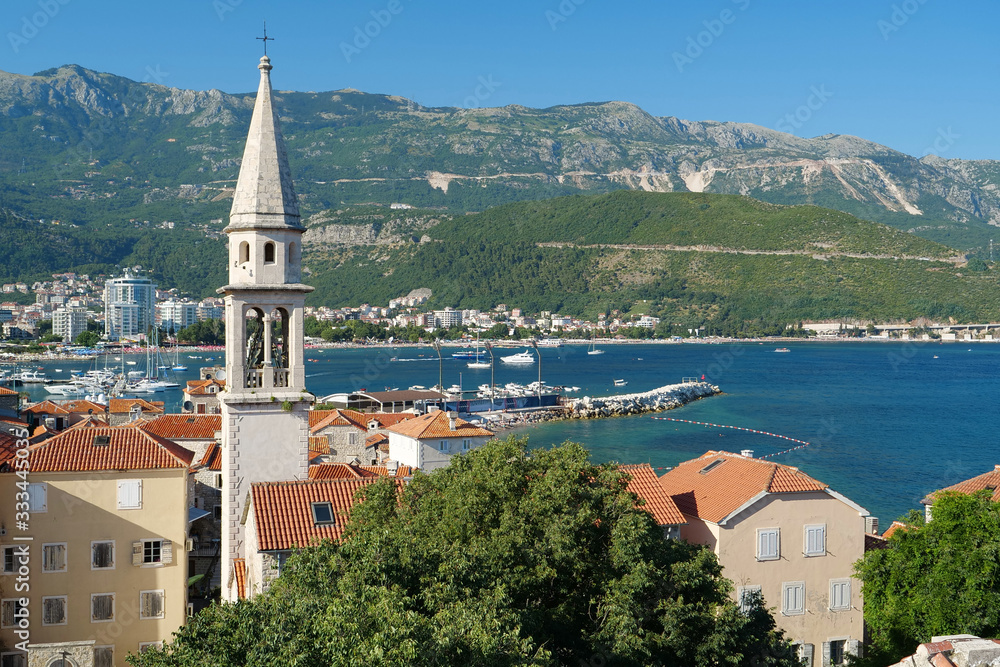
[504,558]
[206,332]
[941,578]
[87,338]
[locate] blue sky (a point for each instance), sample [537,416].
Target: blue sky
[916,75]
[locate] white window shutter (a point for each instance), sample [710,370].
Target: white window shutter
[853,647]
[137,553]
[815,540]
[826,653]
[806,654]
[166,551]
[768,544]
[38,497]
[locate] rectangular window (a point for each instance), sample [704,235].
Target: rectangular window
[9,560]
[14,660]
[466,445]
[840,594]
[322,514]
[104,656]
[38,497]
[152,552]
[102,555]
[806,654]
[793,598]
[815,540]
[102,607]
[54,610]
[9,612]
[217,512]
[130,494]
[54,557]
[745,596]
[833,652]
[218,481]
[768,544]
[443,446]
[151,604]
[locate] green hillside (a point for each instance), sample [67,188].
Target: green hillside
[785,264]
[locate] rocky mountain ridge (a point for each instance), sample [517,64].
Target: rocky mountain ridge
[118,138]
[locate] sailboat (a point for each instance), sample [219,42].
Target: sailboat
[178,366]
[594,350]
[479,363]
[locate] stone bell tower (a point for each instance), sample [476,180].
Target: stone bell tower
[265,420]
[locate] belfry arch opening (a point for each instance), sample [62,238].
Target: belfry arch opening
[269,252]
[244,252]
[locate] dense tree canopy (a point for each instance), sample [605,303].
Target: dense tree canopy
[504,558]
[941,578]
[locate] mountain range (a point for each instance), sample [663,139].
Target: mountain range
[91,148]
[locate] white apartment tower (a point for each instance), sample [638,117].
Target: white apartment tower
[265,420]
[128,306]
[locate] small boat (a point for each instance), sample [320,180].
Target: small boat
[178,367]
[620,383]
[781,349]
[468,354]
[523,358]
[593,350]
[479,364]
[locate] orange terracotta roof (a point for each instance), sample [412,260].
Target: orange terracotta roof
[646,486]
[283,510]
[716,484]
[83,406]
[240,575]
[4,391]
[338,471]
[387,419]
[184,427]
[202,387]
[46,407]
[436,425]
[988,480]
[382,471]
[893,529]
[127,449]
[340,418]
[376,439]
[11,420]
[316,416]
[213,457]
[125,405]
[319,445]
[8,447]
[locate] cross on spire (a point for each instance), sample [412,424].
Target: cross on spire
[265,38]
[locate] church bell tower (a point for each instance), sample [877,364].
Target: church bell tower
[265,420]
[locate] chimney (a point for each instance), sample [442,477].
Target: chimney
[50,423]
[392,466]
[748,453]
[452,424]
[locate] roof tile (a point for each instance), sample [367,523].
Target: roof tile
[184,427]
[645,485]
[127,449]
[436,425]
[988,480]
[714,485]
[283,510]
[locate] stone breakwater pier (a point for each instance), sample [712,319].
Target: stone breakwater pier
[655,400]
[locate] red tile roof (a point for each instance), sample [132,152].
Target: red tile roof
[338,471]
[339,418]
[988,480]
[127,449]
[8,447]
[376,439]
[436,425]
[213,457]
[184,427]
[203,387]
[283,515]
[646,486]
[240,576]
[125,405]
[4,391]
[893,529]
[46,407]
[83,406]
[11,420]
[716,484]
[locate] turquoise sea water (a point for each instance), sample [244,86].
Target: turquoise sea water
[887,422]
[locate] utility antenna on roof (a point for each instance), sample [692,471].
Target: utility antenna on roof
[265,38]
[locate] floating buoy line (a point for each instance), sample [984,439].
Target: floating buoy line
[802,443]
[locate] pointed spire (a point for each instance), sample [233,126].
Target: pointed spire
[265,197]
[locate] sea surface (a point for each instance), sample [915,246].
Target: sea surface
[886,422]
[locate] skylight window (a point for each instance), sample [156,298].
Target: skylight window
[712,466]
[102,440]
[322,514]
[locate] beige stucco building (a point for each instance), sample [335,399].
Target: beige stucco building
[106,534]
[428,442]
[780,532]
